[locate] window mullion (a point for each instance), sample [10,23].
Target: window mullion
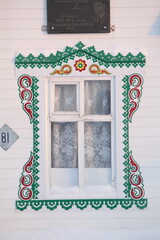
[81,154]
[81,136]
[113,132]
[81,98]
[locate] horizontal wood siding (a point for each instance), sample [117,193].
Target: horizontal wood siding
[137,25]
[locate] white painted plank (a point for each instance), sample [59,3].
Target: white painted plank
[149,83]
[84,223]
[146,161]
[151,172]
[145,131]
[20,24]
[80,215]
[146,151]
[152,71]
[12,13]
[146,112]
[135,3]
[21,3]
[153,182]
[13,163]
[12,114]
[9,183]
[142,141]
[11,83]
[12,94]
[23,153]
[10,103]
[145,22]
[150,92]
[152,192]
[79,233]
[6,204]
[114,3]
[9,194]
[38,34]
[129,12]
[150,121]
[153,51]
[19,123]
[71,40]
[11,173]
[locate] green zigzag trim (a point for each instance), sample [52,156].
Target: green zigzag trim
[127,184]
[81,204]
[35,184]
[90,53]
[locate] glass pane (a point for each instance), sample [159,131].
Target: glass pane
[97,97]
[64,145]
[98,145]
[65,98]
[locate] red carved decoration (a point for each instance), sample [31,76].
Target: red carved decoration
[26,95]
[25,194]
[136,82]
[136,181]
[26,181]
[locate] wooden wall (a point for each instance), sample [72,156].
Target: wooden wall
[137,25]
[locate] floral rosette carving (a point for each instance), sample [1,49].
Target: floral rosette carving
[136,180]
[26,181]
[135,93]
[80,65]
[25,91]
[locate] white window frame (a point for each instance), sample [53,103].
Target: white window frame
[54,116]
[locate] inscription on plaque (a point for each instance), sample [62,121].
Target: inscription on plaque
[7,137]
[78,16]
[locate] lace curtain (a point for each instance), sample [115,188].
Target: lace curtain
[65,98]
[97,97]
[64,136]
[64,151]
[98,145]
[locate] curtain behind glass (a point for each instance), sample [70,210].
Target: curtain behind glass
[64,145]
[65,98]
[97,97]
[98,145]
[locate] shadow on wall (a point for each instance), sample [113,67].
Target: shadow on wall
[155,28]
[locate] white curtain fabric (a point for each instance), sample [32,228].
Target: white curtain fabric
[65,98]
[64,151]
[97,97]
[98,145]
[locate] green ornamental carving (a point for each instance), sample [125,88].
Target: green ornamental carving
[80,51]
[28,90]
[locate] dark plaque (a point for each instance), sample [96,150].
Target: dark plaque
[78,16]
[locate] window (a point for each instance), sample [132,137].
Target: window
[81,134]
[74,124]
